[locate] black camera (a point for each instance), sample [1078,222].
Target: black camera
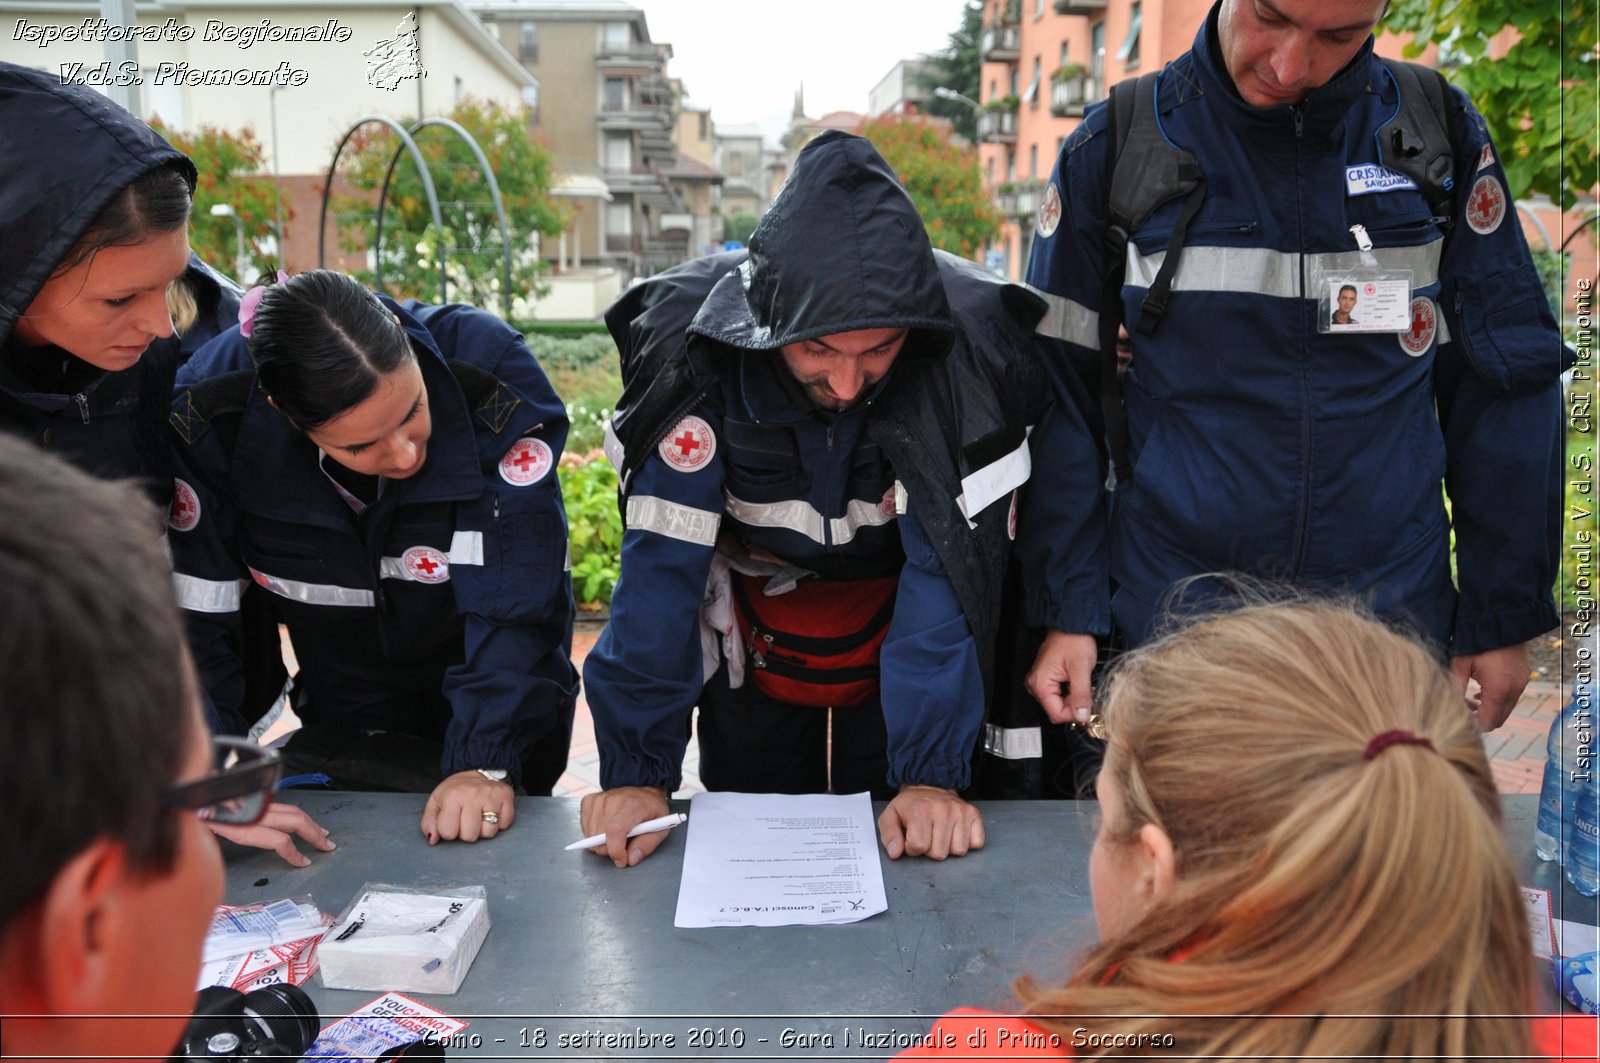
[276,1022]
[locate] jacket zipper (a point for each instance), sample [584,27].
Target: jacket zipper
[1303,521]
[83,406]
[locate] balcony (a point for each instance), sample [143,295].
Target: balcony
[1080,7]
[1069,96]
[998,127]
[1001,44]
[629,60]
[620,116]
[1019,199]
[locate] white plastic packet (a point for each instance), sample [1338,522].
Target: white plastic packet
[404,939]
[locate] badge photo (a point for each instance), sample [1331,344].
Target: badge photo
[527,462]
[185,512]
[689,445]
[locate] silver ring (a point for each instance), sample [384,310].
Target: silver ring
[491,817]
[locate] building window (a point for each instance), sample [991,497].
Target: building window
[1033,160]
[1012,91]
[1038,9]
[1031,97]
[1065,52]
[616,94]
[528,42]
[1011,165]
[1097,50]
[1128,54]
[530,100]
[616,35]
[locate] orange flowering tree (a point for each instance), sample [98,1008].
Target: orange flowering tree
[944,181]
[232,171]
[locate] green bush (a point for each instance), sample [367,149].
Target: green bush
[559,328]
[594,528]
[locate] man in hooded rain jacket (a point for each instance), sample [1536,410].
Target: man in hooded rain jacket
[820,447]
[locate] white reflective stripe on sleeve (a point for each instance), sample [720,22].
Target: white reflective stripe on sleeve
[208,595]
[857,515]
[673,520]
[1443,333]
[466,548]
[1068,320]
[1013,743]
[796,515]
[314,593]
[995,480]
[613,447]
[393,568]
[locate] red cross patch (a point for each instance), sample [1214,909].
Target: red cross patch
[425,564]
[688,446]
[1416,340]
[1486,205]
[1049,210]
[526,462]
[185,512]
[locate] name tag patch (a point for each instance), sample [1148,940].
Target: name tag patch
[1367,178]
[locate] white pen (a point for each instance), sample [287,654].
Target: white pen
[649,826]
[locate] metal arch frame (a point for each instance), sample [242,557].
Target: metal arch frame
[407,144]
[494,192]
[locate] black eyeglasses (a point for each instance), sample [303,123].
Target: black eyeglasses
[238,792]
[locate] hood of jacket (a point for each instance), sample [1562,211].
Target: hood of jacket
[841,248]
[68,151]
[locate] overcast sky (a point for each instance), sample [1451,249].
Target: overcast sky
[745,58]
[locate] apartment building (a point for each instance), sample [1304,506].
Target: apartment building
[902,89]
[607,113]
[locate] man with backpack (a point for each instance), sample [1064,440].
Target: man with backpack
[1219,210]
[820,445]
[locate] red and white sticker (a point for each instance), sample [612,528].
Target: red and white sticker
[1011,518]
[527,462]
[1416,340]
[1049,210]
[886,503]
[1486,158]
[185,512]
[1486,205]
[426,565]
[689,445]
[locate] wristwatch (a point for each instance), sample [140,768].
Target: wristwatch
[495,774]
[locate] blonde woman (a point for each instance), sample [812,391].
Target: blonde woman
[1299,856]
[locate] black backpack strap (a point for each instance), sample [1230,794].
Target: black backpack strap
[1143,170]
[1416,141]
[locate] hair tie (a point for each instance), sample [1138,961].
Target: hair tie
[1393,738]
[251,300]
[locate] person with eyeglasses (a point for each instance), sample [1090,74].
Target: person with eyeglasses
[109,780]
[387,473]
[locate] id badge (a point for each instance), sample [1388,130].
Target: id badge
[1359,295]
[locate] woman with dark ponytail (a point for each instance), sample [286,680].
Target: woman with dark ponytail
[387,473]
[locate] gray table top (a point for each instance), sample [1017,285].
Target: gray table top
[582,949]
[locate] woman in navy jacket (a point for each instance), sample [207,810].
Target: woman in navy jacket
[387,472]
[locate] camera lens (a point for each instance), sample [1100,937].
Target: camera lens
[286,1013]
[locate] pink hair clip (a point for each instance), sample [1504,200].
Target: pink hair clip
[251,300]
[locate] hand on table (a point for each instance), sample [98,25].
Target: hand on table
[929,821]
[276,831]
[615,812]
[1060,678]
[457,806]
[1502,675]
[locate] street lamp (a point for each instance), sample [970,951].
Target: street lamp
[225,210]
[951,94]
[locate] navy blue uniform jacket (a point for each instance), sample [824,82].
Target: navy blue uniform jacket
[448,599]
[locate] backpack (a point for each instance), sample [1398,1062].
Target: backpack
[1144,170]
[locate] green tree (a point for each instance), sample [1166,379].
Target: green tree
[958,67]
[944,181]
[468,242]
[739,227]
[1539,97]
[230,166]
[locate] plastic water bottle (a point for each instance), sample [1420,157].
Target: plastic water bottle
[1567,761]
[1583,843]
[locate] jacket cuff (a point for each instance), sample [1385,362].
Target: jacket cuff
[638,771]
[1077,615]
[474,755]
[1481,632]
[948,774]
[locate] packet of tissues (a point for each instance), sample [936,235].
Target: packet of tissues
[404,939]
